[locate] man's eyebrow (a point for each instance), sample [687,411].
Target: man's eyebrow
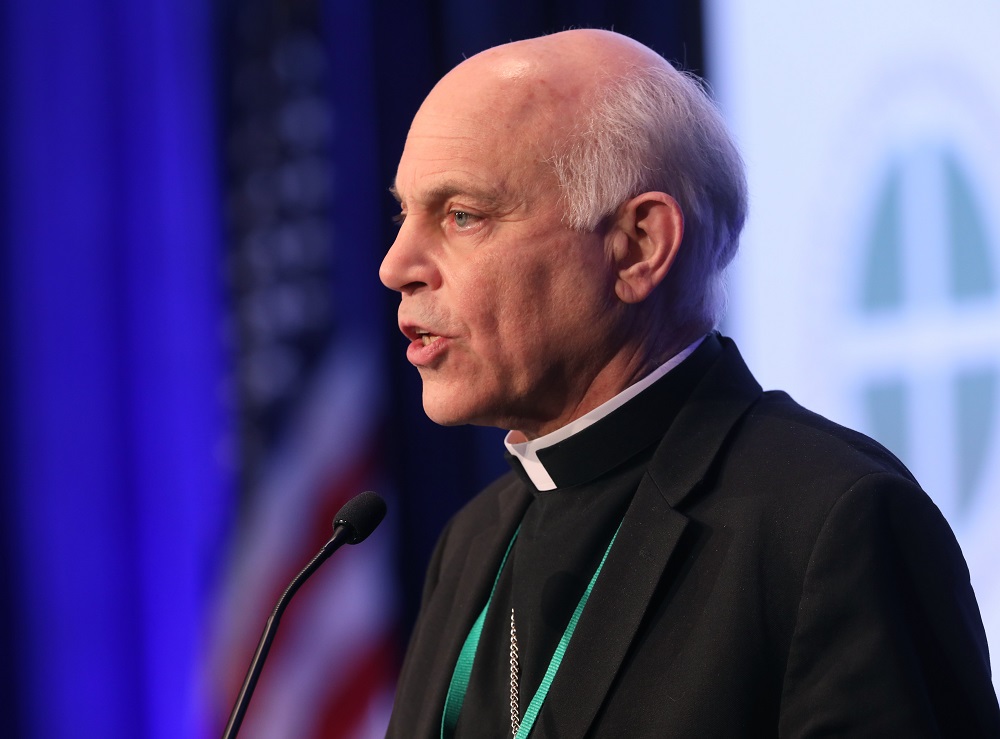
[488,197]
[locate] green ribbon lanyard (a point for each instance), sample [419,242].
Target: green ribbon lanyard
[463,668]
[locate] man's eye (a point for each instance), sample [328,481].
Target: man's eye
[462,219]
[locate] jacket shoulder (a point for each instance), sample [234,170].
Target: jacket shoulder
[789,437]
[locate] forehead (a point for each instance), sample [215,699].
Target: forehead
[494,136]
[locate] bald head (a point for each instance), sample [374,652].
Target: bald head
[602,118]
[568,65]
[539,88]
[569,205]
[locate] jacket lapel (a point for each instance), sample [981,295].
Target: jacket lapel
[702,427]
[647,540]
[452,608]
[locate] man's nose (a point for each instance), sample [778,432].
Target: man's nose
[408,265]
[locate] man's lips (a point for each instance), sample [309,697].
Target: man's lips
[425,348]
[417,331]
[425,344]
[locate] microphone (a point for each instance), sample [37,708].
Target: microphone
[353,523]
[360,516]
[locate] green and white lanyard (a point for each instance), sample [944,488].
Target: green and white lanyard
[463,668]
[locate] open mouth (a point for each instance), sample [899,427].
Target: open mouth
[427,338]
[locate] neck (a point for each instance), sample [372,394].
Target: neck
[626,369]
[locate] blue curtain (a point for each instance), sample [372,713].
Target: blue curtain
[115,475]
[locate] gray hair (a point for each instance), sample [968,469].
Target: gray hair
[657,129]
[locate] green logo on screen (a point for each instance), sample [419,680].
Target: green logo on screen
[929,279]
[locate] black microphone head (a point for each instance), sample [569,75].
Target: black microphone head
[360,515]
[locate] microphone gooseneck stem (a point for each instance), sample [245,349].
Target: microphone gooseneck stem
[341,535]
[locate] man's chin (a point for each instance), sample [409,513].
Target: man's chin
[446,412]
[449,409]
[445,420]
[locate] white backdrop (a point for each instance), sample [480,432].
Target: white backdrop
[869,280]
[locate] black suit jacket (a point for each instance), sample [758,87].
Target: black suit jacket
[775,575]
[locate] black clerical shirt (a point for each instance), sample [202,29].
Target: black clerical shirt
[563,536]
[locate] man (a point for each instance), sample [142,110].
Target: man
[675,553]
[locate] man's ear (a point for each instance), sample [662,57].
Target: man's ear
[646,238]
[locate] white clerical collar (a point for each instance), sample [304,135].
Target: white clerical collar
[527,451]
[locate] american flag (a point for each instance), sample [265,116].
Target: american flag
[307,388]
